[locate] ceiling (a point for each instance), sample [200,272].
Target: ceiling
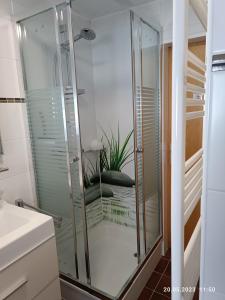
[92,9]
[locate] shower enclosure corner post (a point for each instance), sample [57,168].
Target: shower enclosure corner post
[160,128]
[134,92]
[78,137]
[66,136]
[180,13]
[19,27]
[161,114]
[146,107]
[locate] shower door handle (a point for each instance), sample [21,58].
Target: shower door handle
[139,150]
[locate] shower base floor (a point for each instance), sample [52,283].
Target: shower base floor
[112,249]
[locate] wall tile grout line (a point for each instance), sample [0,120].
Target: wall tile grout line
[12,100]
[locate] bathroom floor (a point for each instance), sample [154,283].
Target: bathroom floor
[161,278]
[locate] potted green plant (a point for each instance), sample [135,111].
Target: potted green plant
[114,156]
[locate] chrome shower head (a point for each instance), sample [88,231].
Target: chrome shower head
[85,33]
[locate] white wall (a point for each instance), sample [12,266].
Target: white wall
[213,245]
[25,8]
[17,182]
[159,13]
[39,50]
[218,24]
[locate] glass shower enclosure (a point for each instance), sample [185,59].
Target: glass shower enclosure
[92,93]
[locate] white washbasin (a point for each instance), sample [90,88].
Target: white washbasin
[10,222]
[21,231]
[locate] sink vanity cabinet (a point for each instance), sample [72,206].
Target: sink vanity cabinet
[28,258]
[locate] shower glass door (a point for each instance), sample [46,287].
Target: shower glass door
[50,86]
[146,49]
[106,125]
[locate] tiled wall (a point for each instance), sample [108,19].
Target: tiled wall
[213,274]
[17,182]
